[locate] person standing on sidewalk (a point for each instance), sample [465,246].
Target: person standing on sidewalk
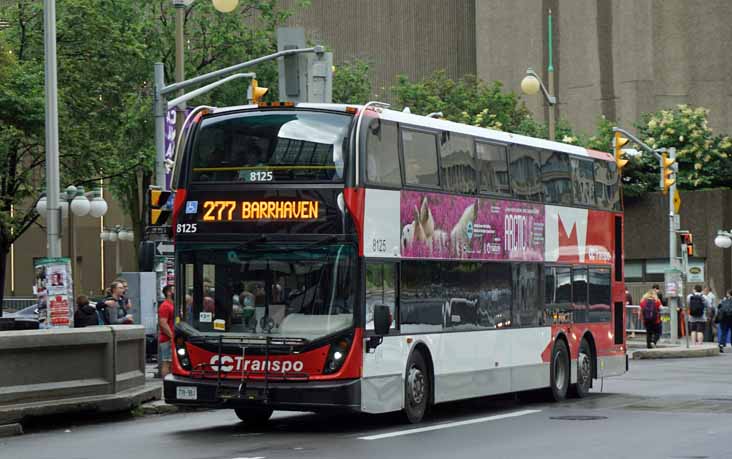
[166,320]
[710,330]
[697,306]
[651,313]
[724,319]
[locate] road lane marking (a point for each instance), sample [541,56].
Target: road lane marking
[449,425]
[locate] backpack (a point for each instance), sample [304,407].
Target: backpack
[650,312]
[102,313]
[725,311]
[696,305]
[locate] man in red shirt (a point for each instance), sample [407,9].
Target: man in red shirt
[166,319]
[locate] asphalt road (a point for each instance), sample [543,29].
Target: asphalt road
[661,409]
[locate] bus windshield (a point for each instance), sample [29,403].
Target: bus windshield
[300,292]
[271,146]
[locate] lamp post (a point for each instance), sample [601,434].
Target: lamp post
[117,234]
[532,81]
[73,202]
[723,239]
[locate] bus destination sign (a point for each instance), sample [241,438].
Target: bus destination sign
[273,210]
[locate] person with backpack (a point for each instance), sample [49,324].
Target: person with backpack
[724,320]
[86,314]
[697,306]
[651,314]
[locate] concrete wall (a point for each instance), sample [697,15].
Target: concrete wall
[702,212]
[46,365]
[618,58]
[411,37]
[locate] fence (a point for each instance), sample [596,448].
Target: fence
[16,303]
[634,321]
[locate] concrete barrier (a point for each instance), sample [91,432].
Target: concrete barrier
[52,368]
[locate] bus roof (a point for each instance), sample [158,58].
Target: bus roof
[445,125]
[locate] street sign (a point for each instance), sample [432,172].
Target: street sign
[677,202]
[164,248]
[163,230]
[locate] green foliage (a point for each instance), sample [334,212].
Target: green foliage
[352,83]
[468,100]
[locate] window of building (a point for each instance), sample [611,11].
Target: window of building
[380,289]
[528,307]
[579,294]
[556,175]
[382,153]
[420,158]
[422,298]
[457,162]
[599,295]
[492,168]
[583,181]
[525,167]
[633,270]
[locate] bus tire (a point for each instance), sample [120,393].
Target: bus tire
[559,371]
[584,371]
[417,388]
[254,415]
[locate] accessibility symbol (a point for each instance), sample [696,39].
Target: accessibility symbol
[191,207]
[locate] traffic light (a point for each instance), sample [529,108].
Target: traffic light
[667,172]
[688,240]
[618,143]
[158,205]
[257,92]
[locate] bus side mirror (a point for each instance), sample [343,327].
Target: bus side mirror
[382,319]
[146,255]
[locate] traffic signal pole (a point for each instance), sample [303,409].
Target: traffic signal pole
[161,91]
[674,286]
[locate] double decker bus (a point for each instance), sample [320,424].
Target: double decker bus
[355,257]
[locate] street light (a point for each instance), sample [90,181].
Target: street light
[225,6]
[74,202]
[117,234]
[723,239]
[530,85]
[532,82]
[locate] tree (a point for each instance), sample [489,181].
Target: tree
[352,83]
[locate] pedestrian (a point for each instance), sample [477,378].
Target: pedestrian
[86,314]
[724,319]
[166,321]
[628,298]
[636,313]
[710,329]
[113,307]
[651,313]
[697,307]
[659,294]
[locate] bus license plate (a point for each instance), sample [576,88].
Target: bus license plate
[187,393]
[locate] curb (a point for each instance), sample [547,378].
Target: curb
[157,407]
[676,352]
[11,430]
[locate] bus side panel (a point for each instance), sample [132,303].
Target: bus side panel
[382,383]
[381,224]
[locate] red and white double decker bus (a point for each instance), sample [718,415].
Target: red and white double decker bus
[359,258]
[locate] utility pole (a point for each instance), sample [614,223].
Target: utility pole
[180,15]
[674,286]
[53,221]
[550,78]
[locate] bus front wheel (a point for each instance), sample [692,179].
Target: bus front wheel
[559,371]
[254,416]
[584,371]
[416,388]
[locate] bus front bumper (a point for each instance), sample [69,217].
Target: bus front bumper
[292,396]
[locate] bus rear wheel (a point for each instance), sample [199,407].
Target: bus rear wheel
[559,371]
[584,371]
[254,416]
[417,388]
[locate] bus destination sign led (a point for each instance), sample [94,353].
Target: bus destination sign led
[227,211]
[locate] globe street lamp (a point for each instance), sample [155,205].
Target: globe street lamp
[723,239]
[117,234]
[225,6]
[73,202]
[530,85]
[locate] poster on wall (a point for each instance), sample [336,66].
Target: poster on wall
[55,291]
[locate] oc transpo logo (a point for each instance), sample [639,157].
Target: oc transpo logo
[229,363]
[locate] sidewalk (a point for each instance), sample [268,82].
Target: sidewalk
[667,350]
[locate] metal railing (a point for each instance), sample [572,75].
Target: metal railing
[634,321]
[16,303]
